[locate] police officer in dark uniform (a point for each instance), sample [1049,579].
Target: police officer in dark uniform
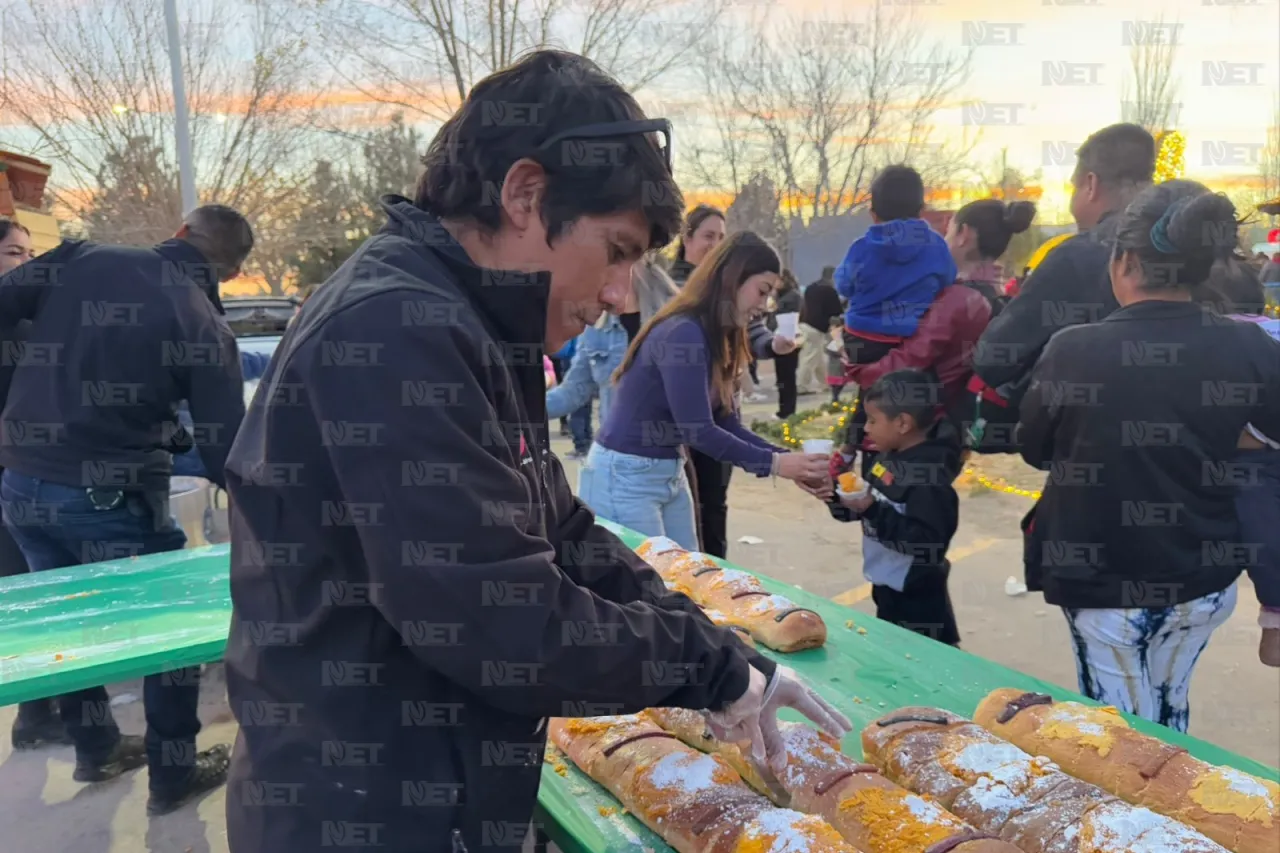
[118,338]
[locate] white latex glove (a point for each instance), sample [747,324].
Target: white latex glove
[740,720]
[754,716]
[787,690]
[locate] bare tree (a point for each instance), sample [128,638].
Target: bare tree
[423,56]
[1269,161]
[827,103]
[1150,91]
[91,84]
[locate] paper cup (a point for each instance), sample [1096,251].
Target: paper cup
[860,493]
[818,445]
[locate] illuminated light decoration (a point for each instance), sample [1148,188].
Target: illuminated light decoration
[995,484]
[1170,156]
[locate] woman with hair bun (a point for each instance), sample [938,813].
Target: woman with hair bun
[1139,416]
[944,342]
[979,234]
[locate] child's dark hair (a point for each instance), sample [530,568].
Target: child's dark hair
[907,392]
[556,92]
[1178,230]
[995,223]
[897,193]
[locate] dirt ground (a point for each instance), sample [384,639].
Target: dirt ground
[1235,699]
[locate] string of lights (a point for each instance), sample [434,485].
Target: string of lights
[789,439]
[1171,156]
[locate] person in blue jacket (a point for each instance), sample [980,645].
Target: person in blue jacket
[893,272]
[601,347]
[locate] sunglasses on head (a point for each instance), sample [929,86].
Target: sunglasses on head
[615,128]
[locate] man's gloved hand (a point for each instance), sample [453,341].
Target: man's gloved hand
[753,717]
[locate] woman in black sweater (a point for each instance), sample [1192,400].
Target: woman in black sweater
[1137,419]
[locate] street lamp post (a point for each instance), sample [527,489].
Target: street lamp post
[181,118]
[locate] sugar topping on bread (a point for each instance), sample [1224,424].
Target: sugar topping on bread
[657,545]
[762,604]
[734,580]
[1087,726]
[899,821]
[1224,790]
[689,773]
[787,831]
[1119,826]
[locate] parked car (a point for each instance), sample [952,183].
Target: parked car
[199,506]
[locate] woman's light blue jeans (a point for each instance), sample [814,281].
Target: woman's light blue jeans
[651,496]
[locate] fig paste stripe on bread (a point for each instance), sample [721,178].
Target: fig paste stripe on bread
[704,570]
[1023,702]
[614,747]
[784,614]
[936,719]
[836,778]
[949,844]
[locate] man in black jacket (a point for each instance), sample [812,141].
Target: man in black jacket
[1071,285]
[119,336]
[416,590]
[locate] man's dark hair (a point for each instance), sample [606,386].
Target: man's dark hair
[1123,156]
[222,235]
[512,113]
[907,392]
[897,193]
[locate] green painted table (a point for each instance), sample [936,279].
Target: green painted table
[74,628]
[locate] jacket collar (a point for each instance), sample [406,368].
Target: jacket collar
[191,263]
[515,302]
[1155,309]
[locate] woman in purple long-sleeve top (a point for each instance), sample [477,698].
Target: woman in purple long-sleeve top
[677,388]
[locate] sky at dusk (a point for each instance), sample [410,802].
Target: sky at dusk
[1045,73]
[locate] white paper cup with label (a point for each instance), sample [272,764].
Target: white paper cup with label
[787,325]
[821,446]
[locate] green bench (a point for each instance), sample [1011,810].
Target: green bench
[110,622]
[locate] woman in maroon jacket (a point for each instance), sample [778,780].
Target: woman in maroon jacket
[978,235]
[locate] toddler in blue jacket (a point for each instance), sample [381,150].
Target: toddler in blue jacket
[893,272]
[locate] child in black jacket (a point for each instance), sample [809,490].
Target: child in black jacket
[911,510]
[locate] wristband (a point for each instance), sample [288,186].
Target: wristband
[1269,618]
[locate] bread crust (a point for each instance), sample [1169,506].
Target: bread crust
[1025,800]
[870,812]
[1097,745]
[738,597]
[696,802]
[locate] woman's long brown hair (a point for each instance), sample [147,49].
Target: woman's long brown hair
[710,297]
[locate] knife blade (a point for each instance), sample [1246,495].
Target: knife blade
[777,792]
